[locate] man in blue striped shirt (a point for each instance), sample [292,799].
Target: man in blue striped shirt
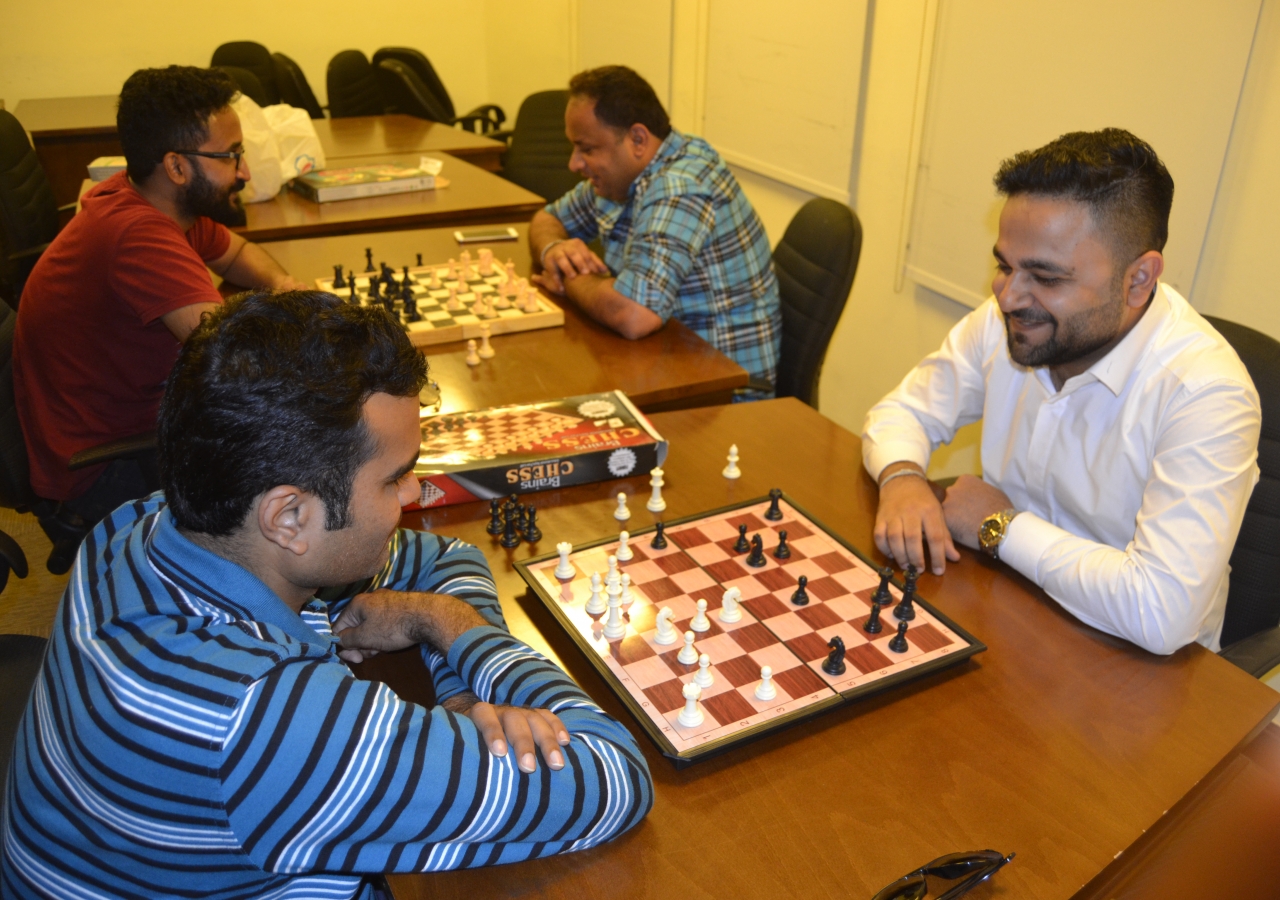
[680,238]
[195,730]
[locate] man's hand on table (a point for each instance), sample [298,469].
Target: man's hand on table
[392,620]
[289,283]
[565,260]
[518,727]
[969,501]
[908,517]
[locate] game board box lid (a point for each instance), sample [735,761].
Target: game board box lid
[362,181]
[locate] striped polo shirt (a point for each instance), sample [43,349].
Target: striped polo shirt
[190,735]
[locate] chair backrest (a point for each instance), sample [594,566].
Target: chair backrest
[421,66]
[405,93]
[247,82]
[294,87]
[815,263]
[353,87]
[21,656]
[538,159]
[257,59]
[15,476]
[28,212]
[1253,601]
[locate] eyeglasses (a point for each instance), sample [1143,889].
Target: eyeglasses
[223,154]
[974,867]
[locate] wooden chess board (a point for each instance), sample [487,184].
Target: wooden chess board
[485,435]
[699,562]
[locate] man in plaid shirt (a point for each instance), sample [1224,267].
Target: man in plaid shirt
[680,238]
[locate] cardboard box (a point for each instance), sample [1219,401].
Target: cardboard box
[533,447]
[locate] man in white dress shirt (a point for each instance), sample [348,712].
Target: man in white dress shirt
[1120,430]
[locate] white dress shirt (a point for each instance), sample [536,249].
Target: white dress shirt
[1132,479]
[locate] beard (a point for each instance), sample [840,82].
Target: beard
[1069,340]
[203,199]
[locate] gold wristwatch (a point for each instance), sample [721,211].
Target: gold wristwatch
[993,529]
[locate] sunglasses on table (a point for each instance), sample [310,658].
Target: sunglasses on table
[209,154]
[974,867]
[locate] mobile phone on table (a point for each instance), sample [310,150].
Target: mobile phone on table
[485,235]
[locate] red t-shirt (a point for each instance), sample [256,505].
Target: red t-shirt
[90,353]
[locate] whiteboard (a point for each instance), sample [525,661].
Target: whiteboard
[1008,75]
[782,86]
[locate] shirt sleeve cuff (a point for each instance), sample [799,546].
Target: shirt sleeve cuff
[877,456]
[1026,541]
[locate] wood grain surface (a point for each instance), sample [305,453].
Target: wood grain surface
[1060,743]
[401,135]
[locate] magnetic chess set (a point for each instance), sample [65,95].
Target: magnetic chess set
[720,628]
[450,301]
[490,453]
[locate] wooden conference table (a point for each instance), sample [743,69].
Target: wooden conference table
[669,369]
[401,135]
[1059,743]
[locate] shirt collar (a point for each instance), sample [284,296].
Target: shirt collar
[1115,369]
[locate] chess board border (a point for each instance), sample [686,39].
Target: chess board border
[760,729]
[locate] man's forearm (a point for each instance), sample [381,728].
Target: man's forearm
[253,267]
[543,230]
[596,296]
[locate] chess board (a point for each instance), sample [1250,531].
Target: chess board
[440,325]
[485,435]
[699,562]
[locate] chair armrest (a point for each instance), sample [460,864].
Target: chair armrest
[13,555]
[491,112]
[30,251]
[476,124]
[121,449]
[504,135]
[1257,654]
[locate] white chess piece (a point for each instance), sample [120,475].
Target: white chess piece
[611,576]
[473,358]
[622,513]
[434,283]
[732,470]
[691,716]
[486,351]
[656,503]
[666,633]
[765,689]
[700,622]
[486,261]
[453,304]
[624,549]
[564,569]
[703,676]
[729,610]
[531,302]
[614,627]
[499,301]
[627,599]
[687,654]
[595,603]
[465,261]
[511,270]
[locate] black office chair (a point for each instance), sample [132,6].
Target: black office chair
[405,93]
[482,119]
[538,154]
[28,212]
[21,656]
[815,263]
[353,86]
[247,82]
[294,87]
[1251,627]
[255,58]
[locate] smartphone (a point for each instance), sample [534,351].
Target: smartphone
[485,235]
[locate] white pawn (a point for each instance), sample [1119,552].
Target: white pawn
[624,549]
[732,470]
[687,654]
[531,301]
[595,604]
[435,283]
[765,689]
[465,258]
[511,270]
[703,676]
[453,304]
[627,599]
[690,716]
[700,622]
[611,576]
[473,358]
[622,513]
[666,633]
[729,610]
[486,351]
[656,503]
[486,261]
[564,569]
[499,301]
[614,627]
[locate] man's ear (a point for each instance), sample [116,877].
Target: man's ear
[287,515]
[176,167]
[638,137]
[1141,277]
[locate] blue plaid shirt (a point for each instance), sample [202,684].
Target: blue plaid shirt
[688,244]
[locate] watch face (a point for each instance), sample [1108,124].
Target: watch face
[990,531]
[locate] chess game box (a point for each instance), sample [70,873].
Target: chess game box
[488,453]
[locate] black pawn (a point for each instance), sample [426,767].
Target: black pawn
[742,545]
[783,551]
[899,642]
[532,533]
[495,517]
[368,260]
[510,538]
[873,625]
[411,313]
[659,541]
[756,559]
[419,260]
[906,610]
[374,296]
[355,298]
[834,664]
[882,595]
[774,514]
[338,280]
[521,513]
[801,596]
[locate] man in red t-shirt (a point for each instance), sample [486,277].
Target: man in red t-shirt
[110,301]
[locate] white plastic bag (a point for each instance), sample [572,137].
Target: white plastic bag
[260,150]
[300,150]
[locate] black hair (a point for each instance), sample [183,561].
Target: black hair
[269,390]
[622,99]
[162,110]
[1127,188]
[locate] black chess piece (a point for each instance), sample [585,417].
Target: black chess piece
[783,551]
[510,538]
[419,260]
[756,559]
[801,596]
[906,610]
[521,512]
[338,280]
[742,545]
[388,274]
[389,302]
[368,260]
[882,595]
[909,579]
[873,625]
[532,533]
[411,313]
[834,664]
[899,642]
[495,517]
[773,513]
[659,541]
[355,298]
[374,295]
